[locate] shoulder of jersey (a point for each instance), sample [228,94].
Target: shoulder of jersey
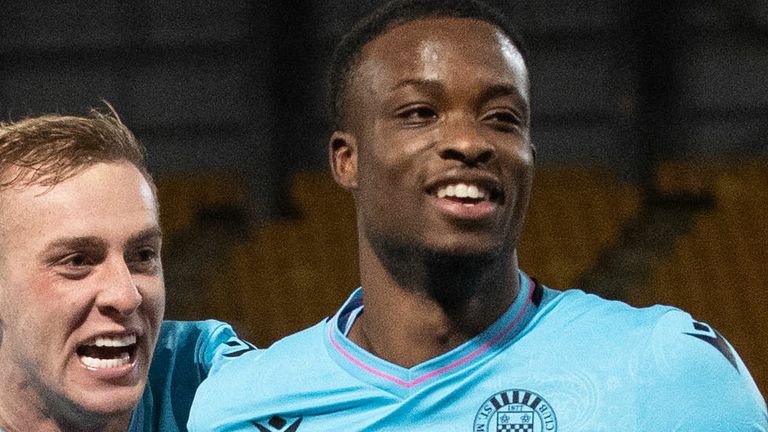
[575,305]
[282,354]
[679,336]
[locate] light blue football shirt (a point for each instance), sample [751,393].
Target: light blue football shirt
[186,353]
[554,361]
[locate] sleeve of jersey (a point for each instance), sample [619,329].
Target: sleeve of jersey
[186,353]
[693,380]
[221,347]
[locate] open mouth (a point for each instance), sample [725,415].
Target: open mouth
[106,352]
[468,194]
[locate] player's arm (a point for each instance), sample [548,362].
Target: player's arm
[695,381]
[187,353]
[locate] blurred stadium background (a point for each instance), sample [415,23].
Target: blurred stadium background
[650,118]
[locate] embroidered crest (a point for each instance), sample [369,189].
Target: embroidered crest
[515,410]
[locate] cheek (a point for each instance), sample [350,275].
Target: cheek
[42,295]
[387,166]
[153,308]
[381,190]
[525,179]
[521,163]
[391,146]
[33,322]
[153,298]
[60,306]
[520,171]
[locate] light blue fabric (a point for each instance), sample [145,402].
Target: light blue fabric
[186,353]
[574,363]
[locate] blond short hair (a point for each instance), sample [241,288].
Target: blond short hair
[48,149]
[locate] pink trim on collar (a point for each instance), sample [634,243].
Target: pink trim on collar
[439,371]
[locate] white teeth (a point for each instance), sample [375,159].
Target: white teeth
[124,341]
[111,342]
[462,190]
[96,363]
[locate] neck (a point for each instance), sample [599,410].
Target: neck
[40,422]
[24,408]
[419,306]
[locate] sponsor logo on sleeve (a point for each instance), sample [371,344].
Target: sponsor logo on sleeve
[278,424]
[714,338]
[238,347]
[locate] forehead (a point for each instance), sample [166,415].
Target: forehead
[109,199]
[434,48]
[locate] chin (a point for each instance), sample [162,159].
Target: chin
[461,247]
[461,255]
[109,402]
[449,252]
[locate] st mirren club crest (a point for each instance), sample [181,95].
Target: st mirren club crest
[515,410]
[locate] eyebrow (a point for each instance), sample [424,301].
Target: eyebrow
[151,233]
[501,90]
[432,85]
[88,242]
[94,242]
[52,251]
[493,91]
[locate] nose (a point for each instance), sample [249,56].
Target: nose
[119,296]
[463,142]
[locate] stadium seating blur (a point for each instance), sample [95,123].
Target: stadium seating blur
[292,273]
[574,213]
[719,270]
[183,196]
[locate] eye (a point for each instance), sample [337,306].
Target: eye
[144,260]
[503,120]
[77,261]
[76,265]
[147,254]
[417,115]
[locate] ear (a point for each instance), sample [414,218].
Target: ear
[342,154]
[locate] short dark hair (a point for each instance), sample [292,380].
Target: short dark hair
[392,14]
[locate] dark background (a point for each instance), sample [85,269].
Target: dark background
[239,85]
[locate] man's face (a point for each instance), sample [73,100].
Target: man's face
[81,291]
[438,119]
